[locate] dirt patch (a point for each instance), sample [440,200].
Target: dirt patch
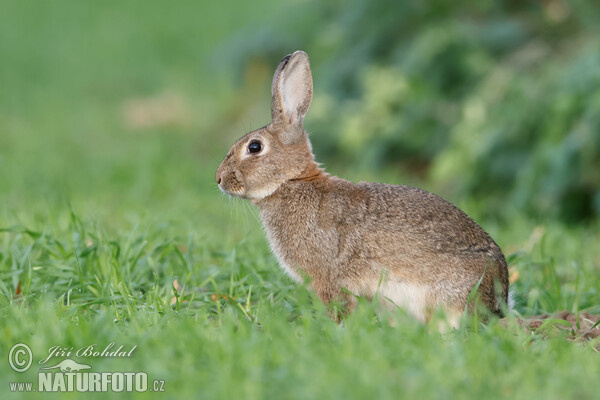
[584,326]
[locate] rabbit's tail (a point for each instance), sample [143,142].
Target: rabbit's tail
[511,300]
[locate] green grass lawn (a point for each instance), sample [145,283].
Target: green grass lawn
[239,328]
[108,201]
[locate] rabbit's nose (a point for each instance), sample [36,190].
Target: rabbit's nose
[218,180]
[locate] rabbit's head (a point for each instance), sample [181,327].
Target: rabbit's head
[259,162]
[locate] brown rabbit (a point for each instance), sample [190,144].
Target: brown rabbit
[407,246]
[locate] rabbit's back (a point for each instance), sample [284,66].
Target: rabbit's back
[424,218]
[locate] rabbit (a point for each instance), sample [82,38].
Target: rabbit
[402,245]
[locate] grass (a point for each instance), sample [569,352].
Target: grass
[103,212]
[239,328]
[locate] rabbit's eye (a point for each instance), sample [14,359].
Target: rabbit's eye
[255,147]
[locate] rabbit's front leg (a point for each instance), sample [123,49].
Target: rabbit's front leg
[339,301]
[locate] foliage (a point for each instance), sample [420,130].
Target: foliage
[497,100]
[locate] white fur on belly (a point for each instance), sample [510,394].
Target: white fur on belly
[414,298]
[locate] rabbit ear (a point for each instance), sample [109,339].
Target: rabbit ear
[291,91]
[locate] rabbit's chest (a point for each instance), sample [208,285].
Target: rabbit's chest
[301,243]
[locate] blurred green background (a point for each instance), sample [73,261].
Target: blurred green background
[492,101]
[114,116]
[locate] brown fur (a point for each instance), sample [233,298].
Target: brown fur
[411,245]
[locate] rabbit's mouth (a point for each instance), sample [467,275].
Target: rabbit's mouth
[235,193]
[232,187]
